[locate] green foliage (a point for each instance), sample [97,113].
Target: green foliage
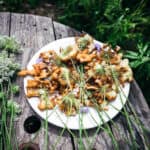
[140,57]
[9,109]
[140,62]
[15,89]
[2,95]
[14,107]
[107,20]
[33,3]
[9,44]
[8,66]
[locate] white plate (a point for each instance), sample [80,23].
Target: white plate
[89,120]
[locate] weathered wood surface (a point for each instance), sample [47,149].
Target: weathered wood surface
[33,32]
[63,31]
[4,23]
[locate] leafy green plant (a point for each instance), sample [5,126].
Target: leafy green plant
[9,44]
[9,109]
[140,62]
[110,21]
[15,89]
[139,57]
[8,66]
[13,106]
[33,3]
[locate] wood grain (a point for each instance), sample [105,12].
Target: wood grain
[4,23]
[23,30]
[62,31]
[139,104]
[33,32]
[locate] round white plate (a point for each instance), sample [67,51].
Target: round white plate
[89,120]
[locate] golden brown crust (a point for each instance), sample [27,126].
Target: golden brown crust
[62,73]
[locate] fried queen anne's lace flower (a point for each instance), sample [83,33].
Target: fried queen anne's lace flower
[83,78]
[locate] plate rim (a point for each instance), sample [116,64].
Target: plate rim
[45,48]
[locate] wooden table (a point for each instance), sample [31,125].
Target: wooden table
[33,32]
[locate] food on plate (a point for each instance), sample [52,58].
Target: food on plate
[84,74]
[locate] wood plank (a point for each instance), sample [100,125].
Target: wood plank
[33,32]
[22,29]
[101,140]
[139,104]
[121,121]
[58,138]
[4,23]
[62,31]
[44,31]
[124,137]
[120,133]
[94,139]
[120,130]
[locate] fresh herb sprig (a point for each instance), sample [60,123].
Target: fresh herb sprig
[9,44]
[9,109]
[139,57]
[8,66]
